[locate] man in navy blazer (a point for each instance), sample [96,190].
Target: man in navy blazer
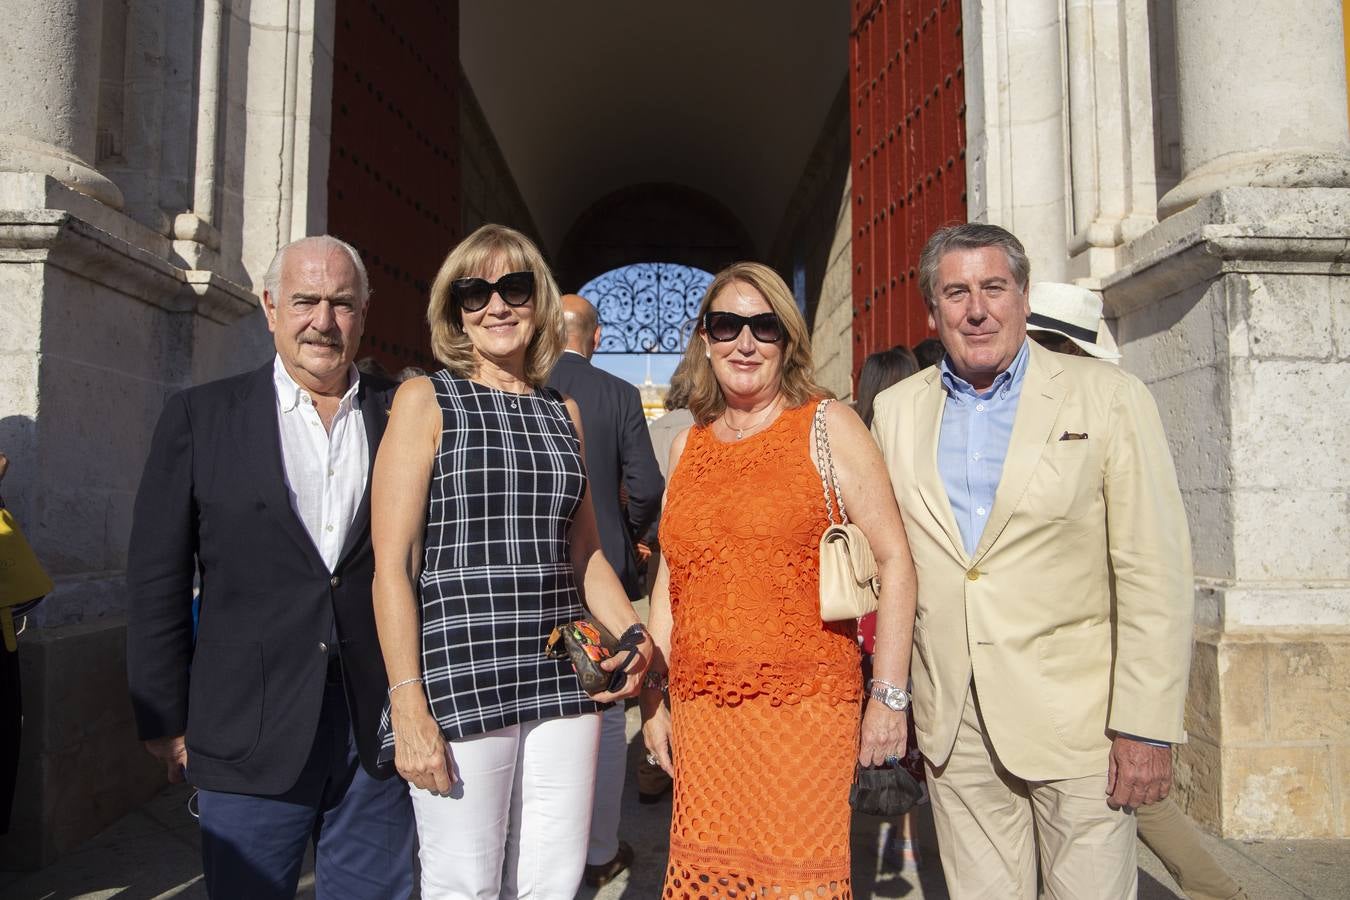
[258,487]
[618,451]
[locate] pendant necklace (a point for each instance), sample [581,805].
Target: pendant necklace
[740,432]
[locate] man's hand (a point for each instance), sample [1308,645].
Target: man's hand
[4,466]
[173,752]
[1138,773]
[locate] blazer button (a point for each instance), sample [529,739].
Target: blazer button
[334,581]
[973,575]
[323,648]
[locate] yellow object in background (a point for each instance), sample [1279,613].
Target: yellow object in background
[22,577]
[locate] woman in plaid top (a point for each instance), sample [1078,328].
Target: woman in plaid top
[485,540]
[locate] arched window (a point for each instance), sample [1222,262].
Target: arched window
[646,307]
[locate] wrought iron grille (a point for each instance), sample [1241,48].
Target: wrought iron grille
[646,307]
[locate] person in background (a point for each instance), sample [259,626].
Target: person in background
[653,782]
[11,710]
[928,352]
[1067,319]
[762,734]
[676,419]
[409,372]
[619,460]
[259,485]
[369,365]
[485,541]
[1055,612]
[879,371]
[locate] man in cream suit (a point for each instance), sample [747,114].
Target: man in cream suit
[1055,597]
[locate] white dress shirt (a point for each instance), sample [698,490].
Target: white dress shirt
[325,470]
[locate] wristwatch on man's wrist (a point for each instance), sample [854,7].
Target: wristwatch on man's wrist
[890,696]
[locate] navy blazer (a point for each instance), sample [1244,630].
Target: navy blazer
[618,450]
[213,502]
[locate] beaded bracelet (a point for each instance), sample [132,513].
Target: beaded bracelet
[404,683]
[656,681]
[636,628]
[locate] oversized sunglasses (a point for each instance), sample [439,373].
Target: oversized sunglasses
[472,294]
[726,326]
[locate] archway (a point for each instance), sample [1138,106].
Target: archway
[647,312]
[646,307]
[645,222]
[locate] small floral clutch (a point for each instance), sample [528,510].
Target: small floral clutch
[587,643]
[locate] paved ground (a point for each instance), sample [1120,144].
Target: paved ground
[153,853]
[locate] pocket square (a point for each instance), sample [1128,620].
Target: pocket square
[1073,436]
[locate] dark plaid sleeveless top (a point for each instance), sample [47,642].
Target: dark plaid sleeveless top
[507,482]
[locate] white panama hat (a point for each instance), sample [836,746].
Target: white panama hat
[1069,311]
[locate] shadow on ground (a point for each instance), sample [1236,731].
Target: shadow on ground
[154,853]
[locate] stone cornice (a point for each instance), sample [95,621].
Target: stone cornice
[61,239]
[1269,230]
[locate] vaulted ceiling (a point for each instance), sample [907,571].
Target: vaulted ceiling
[724,96]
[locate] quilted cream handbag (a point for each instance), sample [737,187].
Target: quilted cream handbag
[849,584]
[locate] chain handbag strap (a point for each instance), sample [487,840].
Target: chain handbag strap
[828,477]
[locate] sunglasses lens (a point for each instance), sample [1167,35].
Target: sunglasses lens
[471,293]
[723,326]
[517,288]
[766,328]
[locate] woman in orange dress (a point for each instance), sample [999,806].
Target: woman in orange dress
[762,731]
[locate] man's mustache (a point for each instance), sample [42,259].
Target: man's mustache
[323,340]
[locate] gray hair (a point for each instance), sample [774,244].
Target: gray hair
[970,236]
[272,278]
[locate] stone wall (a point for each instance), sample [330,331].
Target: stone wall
[99,330]
[488,191]
[814,253]
[832,326]
[146,180]
[1236,312]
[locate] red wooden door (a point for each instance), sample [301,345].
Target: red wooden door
[909,147]
[393,173]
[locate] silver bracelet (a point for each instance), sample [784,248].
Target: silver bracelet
[404,683]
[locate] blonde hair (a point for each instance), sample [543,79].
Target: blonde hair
[477,254]
[797,377]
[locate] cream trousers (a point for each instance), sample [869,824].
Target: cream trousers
[995,829]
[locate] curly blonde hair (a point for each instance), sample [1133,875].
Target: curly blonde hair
[476,254]
[797,379]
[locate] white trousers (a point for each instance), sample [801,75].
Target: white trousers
[516,822]
[610,773]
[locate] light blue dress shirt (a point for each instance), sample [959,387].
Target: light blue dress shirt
[973,443]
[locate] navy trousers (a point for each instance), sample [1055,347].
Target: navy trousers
[362,829]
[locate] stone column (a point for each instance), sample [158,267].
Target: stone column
[1263,97]
[49,62]
[1015,161]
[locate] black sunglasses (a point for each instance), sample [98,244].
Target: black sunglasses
[726,326]
[472,294]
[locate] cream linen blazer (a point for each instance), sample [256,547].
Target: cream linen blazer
[1074,615]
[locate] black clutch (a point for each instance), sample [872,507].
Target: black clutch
[888,791]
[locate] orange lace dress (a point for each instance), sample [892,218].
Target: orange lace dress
[765,697]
